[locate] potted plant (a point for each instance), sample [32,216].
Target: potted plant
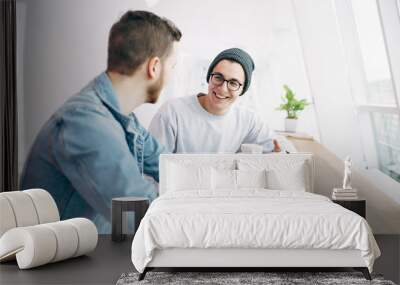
[292,106]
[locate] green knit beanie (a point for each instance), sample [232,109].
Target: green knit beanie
[240,56]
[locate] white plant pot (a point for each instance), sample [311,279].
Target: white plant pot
[290,125]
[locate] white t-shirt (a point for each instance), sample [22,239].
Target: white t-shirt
[182,125]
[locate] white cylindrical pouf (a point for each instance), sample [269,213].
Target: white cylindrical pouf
[31,232]
[7,218]
[45,205]
[23,208]
[33,246]
[67,239]
[87,233]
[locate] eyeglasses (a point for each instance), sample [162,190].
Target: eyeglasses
[232,84]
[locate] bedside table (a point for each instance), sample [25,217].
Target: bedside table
[138,205]
[358,206]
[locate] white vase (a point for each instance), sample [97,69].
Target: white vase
[290,125]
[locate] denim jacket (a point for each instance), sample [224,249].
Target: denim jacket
[89,152]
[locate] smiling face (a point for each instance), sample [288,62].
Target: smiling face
[219,98]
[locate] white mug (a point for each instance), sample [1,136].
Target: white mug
[251,148]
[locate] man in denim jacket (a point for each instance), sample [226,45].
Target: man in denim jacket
[93,148]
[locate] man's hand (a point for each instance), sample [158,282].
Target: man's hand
[277,147]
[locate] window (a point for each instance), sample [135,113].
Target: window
[380,101]
[373,51]
[387,135]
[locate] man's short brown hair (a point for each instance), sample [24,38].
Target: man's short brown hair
[137,36]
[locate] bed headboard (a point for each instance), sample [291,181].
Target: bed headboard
[289,167]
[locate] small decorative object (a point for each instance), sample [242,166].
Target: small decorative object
[347,192]
[347,173]
[292,106]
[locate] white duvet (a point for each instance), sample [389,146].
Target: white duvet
[252,218]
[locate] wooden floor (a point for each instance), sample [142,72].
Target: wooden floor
[110,260]
[389,262]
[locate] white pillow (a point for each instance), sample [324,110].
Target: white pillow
[283,172]
[183,177]
[293,179]
[251,178]
[224,179]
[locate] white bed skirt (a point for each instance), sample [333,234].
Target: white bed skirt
[193,257]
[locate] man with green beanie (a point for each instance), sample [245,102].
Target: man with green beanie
[211,123]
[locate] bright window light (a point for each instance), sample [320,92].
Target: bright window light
[380,98]
[373,52]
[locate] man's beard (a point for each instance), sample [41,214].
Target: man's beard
[153,91]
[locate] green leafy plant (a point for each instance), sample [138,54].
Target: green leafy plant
[290,104]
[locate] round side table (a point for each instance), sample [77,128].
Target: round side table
[120,205]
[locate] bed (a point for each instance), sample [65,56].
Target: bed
[246,211]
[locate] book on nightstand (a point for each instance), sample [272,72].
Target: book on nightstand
[344,194]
